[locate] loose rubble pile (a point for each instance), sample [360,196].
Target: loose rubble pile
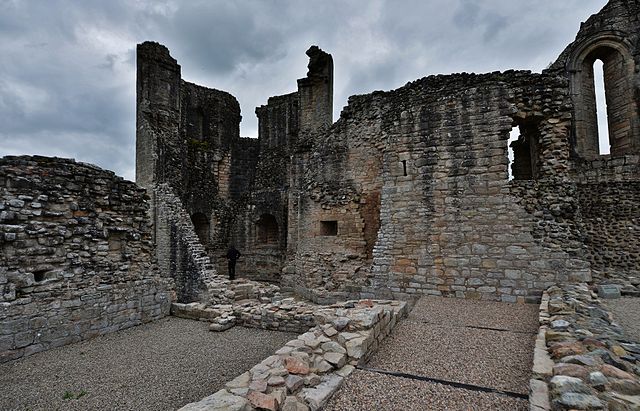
[583,361]
[304,373]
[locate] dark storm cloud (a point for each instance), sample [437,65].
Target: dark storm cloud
[67,73]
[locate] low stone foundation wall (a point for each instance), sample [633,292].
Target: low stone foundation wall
[304,373]
[582,360]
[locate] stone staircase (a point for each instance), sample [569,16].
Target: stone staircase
[212,287]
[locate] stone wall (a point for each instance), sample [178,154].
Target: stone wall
[610,36]
[307,371]
[188,141]
[409,191]
[431,159]
[76,256]
[180,252]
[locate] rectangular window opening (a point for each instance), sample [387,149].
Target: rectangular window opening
[329,228]
[39,276]
[523,153]
[404,167]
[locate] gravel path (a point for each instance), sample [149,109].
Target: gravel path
[157,366]
[490,314]
[491,359]
[626,312]
[453,340]
[406,394]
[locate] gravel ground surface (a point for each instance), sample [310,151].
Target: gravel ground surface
[406,394]
[490,314]
[159,366]
[626,312]
[436,341]
[491,359]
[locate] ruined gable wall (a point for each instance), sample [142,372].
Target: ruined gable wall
[209,127]
[336,179]
[453,224]
[607,184]
[76,256]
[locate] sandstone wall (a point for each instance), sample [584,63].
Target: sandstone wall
[188,139]
[76,256]
[610,36]
[411,191]
[434,155]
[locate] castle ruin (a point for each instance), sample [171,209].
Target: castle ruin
[406,194]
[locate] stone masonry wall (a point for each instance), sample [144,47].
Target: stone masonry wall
[583,360]
[409,191]
[188,138]
[610,36]
[76,256]
[450,222]
[178,247]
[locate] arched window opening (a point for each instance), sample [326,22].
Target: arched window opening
[201,225]
[605,113]
[523,154]
[604,144]
[267,230]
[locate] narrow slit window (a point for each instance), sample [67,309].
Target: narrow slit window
[404,167]
[604,144]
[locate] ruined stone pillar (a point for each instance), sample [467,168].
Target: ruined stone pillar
[157,108]
[316,92]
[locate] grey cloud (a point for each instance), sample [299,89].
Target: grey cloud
[67,76]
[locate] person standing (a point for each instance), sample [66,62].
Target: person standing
[232,257]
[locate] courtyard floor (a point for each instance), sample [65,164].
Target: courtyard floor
[626,312]
[449,354]
[159,366]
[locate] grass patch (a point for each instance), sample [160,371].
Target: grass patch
[70,395]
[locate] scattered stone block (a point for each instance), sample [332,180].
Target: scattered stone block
[609,292]
[318,396]
[220,401]
[296,365]
[263,401]
[294,383]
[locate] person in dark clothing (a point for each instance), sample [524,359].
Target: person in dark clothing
[232,256]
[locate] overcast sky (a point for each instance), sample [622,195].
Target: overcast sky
[67,68]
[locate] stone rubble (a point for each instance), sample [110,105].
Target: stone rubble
[583,360]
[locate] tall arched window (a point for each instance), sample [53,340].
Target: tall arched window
[201,225]
[601,108]
[617,80]
[267,230]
